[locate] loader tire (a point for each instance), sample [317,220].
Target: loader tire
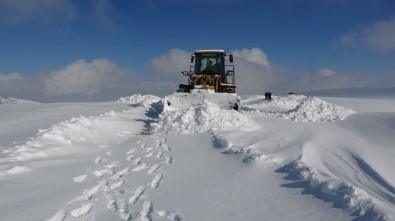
[217,87]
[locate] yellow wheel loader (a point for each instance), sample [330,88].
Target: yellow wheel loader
[210,78]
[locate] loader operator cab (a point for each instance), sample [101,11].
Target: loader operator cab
[210,71]
[212,62]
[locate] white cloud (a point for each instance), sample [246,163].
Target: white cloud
[254,73]
[379,36]
[18,11]
[172,63]
[7,79]
[326,72]
[96,80]
[253,55]
[82,77]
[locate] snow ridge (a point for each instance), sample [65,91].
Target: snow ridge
[356,201]
[303,109]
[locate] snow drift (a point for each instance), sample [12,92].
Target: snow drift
[298,108]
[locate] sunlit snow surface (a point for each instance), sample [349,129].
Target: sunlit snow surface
[291,158]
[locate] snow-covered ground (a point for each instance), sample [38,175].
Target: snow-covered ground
[292,158]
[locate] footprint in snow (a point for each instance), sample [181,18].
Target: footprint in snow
[159,155]
[118,205]
[98,160]
[156,180]
[123,209]
[59,216]
[137,161]
[80,179]
[131,151]
[136,195]
[141,167]
[81,211]
[116,185]
[111,203]
[112,165]
[166,147]
[149,155]
[173,216]
[130,157]
[153,168]
[122,173]
[100,173]
[145,214]
[88,193]
[169,160]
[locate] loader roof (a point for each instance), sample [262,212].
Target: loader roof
[213,50]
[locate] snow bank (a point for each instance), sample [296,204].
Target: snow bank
[317,110]
[308,110]
[258,102]
[57,136]
[200,118]
[138,99]
[65,134]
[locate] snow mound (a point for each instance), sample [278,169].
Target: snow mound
[287,102]
[258,102]
[308,110]
[11,100]
[201,118]
[138,99]
[317,110]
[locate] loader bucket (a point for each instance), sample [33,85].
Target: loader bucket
[179,101]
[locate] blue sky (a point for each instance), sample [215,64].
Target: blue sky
[350,42]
